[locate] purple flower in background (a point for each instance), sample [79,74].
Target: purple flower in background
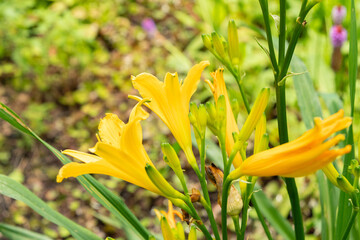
[149,26]
[338,35]
[338,14]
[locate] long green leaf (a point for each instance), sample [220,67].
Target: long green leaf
[345,206]
[104,196]
[310,107]
[18,233]
[13,189]
[272,214]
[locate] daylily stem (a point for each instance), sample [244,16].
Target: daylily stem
[246,201]
[237,226]
[226,187]
[207,207]
[197,218]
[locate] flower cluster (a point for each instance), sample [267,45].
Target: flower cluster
[119,151]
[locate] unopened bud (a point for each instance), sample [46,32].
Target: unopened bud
[338,14]
[202,118]
[338,36]
[221,113]
[207,41]
[192,233]
[256,112]
[234,47]
[166,229]
[180,233]
[172,160]
[218,45]
[161,183]
[344,184]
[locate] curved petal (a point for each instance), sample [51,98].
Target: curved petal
[150,87]
[110,129]
[192,80]
[84,157]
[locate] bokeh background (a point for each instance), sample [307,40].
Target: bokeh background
[64,64]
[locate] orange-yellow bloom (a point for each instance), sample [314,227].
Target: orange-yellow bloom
[170,229]
[170,101]
[300,157]
[119,152]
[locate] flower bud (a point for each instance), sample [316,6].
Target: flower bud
[180,233]
[165,229]
[338,36]
[207,41]
[160,182]
[338,14]
[234,47]
[218,45]
[171,158]
[344,184]
[192,233]
[255,115]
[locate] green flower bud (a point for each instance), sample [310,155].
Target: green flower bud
[160,182]
[256,112]
[180,231]
[207,41]
[192,233]
[171,158]
[234,47]
[344,184]
[218,45]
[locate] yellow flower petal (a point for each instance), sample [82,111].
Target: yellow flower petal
[84,157]
[120,152]
[110,129]
[170,100]
[302,156]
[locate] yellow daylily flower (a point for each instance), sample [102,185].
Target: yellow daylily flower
[170,229]
[119,152]
[300,157]
[218,88]
[170,101]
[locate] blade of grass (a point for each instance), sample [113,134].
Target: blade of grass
[13,232]
[15,190]
[345,207]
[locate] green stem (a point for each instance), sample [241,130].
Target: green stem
[290,182]
[246,103]
[225,193]
[265,12]
[282,31]
[197,218]
[208,203]
[350,224]
[246,200]
[235,219]
[281,111]
[300,24]
[261,218]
